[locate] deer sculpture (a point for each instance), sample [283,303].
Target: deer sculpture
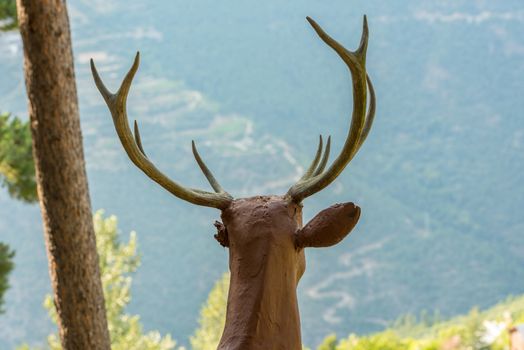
[264,234]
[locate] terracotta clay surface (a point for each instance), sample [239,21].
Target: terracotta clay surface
[262,311]
[266,264]
[329,227]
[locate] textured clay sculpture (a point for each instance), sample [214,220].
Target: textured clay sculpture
[264,234]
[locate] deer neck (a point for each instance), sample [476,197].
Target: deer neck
[262,309]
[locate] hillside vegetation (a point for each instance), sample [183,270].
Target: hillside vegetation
[487,330]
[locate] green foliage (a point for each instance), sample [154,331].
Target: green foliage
[485,330]
[329,343]
[17,171]
[387,340]
[6,265]
[117,262]
[8,19]
[212,317]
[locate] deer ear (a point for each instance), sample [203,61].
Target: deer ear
[221,236]
[328,227]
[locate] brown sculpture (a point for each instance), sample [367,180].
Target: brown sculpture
[264,234]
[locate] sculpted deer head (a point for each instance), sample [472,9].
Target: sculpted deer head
[264,234]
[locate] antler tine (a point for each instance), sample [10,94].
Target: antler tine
[371,112]
[325,158]
[207,173]
[133,144]
[315,161]
[360,125]
[138,140]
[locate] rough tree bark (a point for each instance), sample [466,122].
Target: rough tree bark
[61,176]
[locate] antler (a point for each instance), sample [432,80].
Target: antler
[133,147]
[315,179]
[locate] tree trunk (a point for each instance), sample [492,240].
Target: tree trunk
[61,176]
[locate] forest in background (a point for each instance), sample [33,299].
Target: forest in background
[453,218]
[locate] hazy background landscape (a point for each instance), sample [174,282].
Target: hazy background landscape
[439,179]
